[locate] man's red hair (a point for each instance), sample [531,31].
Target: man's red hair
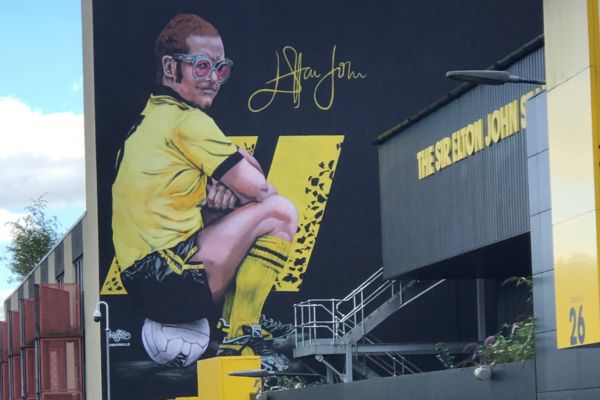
[172,39]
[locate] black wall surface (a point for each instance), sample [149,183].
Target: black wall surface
[404,47]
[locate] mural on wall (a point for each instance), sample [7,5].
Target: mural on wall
[235,171]
[197,226]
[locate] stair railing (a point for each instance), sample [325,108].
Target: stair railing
[320,321]
[311,317]
[370,290]
[337,316]
[388,361]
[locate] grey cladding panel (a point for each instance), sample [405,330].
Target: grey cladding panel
[541,242]
[566,369]
[31,286]
[59,260]
[477,201]
[543,302]
[77,241]
[583,394]
[44,271]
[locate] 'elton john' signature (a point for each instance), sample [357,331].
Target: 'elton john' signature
[297,75]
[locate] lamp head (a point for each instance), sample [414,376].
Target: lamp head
[485,77]
[489,77]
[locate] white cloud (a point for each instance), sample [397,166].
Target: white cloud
[3,296]
[5,217]
[27,131]
[25,177]
[40,153]
[77,86]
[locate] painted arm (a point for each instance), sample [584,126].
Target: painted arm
[247,180]
[251,160]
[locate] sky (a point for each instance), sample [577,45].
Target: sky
[41,114]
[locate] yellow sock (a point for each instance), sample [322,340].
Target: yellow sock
[254,280]
[227,305]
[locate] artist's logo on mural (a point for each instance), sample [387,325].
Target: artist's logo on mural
[119,338]
[291,74]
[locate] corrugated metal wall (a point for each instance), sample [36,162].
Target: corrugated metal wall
[475,202]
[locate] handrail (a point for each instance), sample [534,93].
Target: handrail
[394,356]
[365,302]
[335,316]
[313,300]
[373,340]
[338,317]
[367,282]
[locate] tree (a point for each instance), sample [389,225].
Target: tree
[32,238]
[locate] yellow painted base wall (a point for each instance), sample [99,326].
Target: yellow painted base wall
[214,382]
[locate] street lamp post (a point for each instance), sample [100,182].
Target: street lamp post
[97,317]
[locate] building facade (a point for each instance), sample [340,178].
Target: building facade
[487,183]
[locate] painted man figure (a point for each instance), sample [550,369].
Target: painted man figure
[176,163]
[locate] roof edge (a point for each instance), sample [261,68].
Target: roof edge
[504,63]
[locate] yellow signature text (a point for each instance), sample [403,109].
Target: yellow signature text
[291,74]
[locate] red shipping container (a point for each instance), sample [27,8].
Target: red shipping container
[16,377]
[15,324]
[28,314]
[4,367]
[30,372]
[59,310]
[3,341]
[61,366]
[61,396]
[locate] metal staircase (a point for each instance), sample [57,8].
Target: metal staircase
[326,327]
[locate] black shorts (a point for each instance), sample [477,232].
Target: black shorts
[167,288]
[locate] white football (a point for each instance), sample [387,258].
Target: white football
[175,345]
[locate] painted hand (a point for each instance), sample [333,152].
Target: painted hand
[219,197]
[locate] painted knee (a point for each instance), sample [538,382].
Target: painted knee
[283,214]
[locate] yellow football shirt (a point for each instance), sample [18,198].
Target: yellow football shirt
[162,177]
